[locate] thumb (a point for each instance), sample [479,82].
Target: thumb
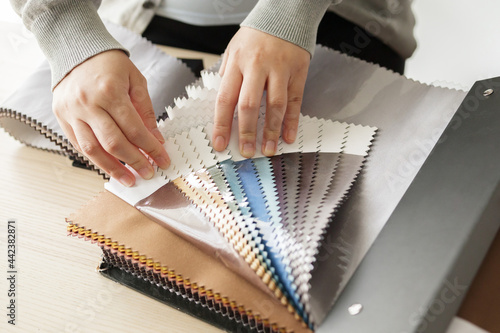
[142,102]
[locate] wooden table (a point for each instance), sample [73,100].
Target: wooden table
[58,289]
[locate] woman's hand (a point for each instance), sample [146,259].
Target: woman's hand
[255,61]
[104,108]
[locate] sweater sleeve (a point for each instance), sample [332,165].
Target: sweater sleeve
[68,31]
[295,21]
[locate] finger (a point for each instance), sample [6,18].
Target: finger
[249,103]
[115,143]
[91,148]
[222,67]
[58,111]
[115,101]
[227,97]
[141,100]
[276,101]
[70,134]
[136,133]
[293,106]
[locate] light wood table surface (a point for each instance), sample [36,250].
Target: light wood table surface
[58,289]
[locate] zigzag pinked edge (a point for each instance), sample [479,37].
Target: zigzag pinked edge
[240,244]
[67,148]
[155,273]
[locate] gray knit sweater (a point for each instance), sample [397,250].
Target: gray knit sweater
[71,31]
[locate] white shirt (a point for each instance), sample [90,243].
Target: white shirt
[206,12]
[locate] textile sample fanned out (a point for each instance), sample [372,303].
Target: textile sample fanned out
[270,213]
[262,218]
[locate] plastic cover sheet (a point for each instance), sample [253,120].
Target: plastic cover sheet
[169,207]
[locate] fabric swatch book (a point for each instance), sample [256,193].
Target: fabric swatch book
[264,244]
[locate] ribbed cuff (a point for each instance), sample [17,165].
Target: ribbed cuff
[295,21]
[69,34]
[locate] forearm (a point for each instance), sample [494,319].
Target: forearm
[295,21]
[68,31]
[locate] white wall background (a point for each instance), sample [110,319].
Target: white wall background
[458,40]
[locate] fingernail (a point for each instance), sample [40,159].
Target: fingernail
[270,148]
[291,134]
[248,150]
[163,162]
[219,143]
[156,132]
[126,180]
[146,173]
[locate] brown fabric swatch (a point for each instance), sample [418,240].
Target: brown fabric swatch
[115,219]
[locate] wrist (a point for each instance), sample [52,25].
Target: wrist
[69,34]
[295,21]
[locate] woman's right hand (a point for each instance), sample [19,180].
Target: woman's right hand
[104,108]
